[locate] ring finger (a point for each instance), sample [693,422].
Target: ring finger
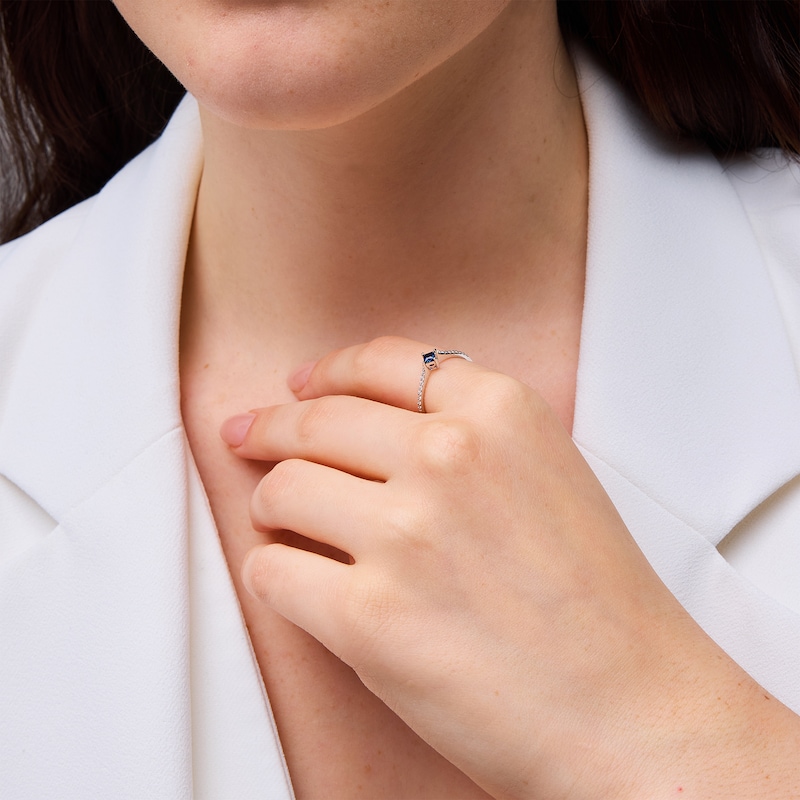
[389,370]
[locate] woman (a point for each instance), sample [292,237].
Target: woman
[445,604]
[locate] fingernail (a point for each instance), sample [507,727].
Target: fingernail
[299,378]
[234,430]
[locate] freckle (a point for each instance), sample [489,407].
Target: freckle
[367,768]
[206,366]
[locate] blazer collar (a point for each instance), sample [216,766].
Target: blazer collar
[682,351]
[96,381]
[686,383]
[91,430]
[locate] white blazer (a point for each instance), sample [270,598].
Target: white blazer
[688,409]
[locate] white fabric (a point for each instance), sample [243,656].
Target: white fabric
[765,547]
[126,669]
[688,392]
[232,724]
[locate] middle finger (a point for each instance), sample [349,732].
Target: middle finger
[359,436]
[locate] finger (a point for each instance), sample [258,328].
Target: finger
[349,433]
[319,503]
[389,370]
[304,587]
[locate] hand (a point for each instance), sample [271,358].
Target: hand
[495,600]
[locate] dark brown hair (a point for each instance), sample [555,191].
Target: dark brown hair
[724,72]
[81,95]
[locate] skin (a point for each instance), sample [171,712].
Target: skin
[524,653]
[467,178]
[421,168]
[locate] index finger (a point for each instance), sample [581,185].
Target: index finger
[389,370]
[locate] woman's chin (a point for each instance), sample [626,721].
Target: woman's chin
[314,101]
[303,65]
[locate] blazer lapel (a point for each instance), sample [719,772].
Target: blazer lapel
[682,351]
[686,383]
[92,432]
[688,404]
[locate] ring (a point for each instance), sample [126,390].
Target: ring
[430,362]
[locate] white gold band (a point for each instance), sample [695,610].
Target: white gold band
[430,362]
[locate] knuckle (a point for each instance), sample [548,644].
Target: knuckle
[445,446]
[502,392]
[374,351]
[313,416]
[262,574]
[519,412]
[371,605]
[405,526]
[505,400]
[259,430]
[279,482]
[385,344]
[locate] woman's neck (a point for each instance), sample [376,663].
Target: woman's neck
[458,200]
